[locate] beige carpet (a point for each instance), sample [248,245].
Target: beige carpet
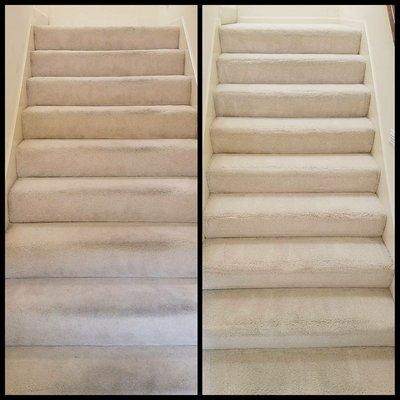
[101,253]
[295,273]
[320,371]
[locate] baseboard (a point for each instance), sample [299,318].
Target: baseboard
[209,111]
[37,18]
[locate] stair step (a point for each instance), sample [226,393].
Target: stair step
[103,199]
[311,214]
[110,249]
[292,135]
[241,173]
[151,122]
[109,91]
[107,63]
[108,370]
[290,68]
[107,157]
[325,371]
[296,262]
[100,312]
[291,101]
[306,317]
[106,38]
[289,38]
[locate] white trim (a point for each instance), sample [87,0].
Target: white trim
[184,44]
[41,14]
[15,136]
[209,111]
[188,47]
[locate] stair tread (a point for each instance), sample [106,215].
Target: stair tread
[107,157]
[64,63]
[91,199]
[291,135]
[108,79]
[106,37]
[171,370]
[297,124]
[306,317]
[288,89]
[99,249]
[296,29]
[296,262]
[101,311]
[119,122]
[294,214]
[252,163]
[233,173]
[254,57]
[324,371]
[109,91]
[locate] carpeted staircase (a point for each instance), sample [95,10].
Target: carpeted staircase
[295,272]
[101,251]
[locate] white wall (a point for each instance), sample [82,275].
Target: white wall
[290,11]
[210,14]
[381,56]
[18,21]
[18,42]
[378,46]
[168,13]
[210,51]
[102,15]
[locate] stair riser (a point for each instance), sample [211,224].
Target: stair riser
[115,38]
[292,318]
[269,215]
[296,143]
[246,342]
[283,71]
[100,312]
[291,105]
[326,371]
[291,182]
[101,250]
[110,63]
[287,42]
[127,201]
[120,123]
[290,225]
[107,370]
[303,279]
[234,135]
[296,262]
[149,91]
[115,159]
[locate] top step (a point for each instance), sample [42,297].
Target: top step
[289,38]
[106,38]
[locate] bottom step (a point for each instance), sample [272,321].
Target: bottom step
[101,370]
[323,371]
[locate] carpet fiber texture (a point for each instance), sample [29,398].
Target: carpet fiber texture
[318,371]
[296,275]
[101,251]
[92,370]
